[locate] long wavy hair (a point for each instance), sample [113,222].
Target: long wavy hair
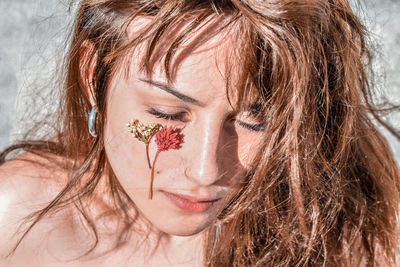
[323,189]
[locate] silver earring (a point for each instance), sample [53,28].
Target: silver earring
[92,121]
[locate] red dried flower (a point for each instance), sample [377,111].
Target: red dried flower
[169,138]
[166,138]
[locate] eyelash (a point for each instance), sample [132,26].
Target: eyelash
[180,117]
[252,127]
[171,117]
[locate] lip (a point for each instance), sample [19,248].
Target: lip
[189,203]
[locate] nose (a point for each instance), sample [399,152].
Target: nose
[204,162]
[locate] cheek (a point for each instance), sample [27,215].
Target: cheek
[248,146]
[122,154]
[125,154]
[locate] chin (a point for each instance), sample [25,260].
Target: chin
[185,228]
[188,232]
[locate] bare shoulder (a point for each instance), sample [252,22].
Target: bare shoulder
[28,175]
[27,184]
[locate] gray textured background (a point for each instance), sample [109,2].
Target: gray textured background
[32,34]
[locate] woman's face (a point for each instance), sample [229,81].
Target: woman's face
[190,183]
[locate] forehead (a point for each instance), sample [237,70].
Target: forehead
[178,41]
[200,59]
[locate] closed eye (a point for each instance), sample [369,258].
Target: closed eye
[252,127]
[180,116]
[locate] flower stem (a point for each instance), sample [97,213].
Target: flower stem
[152,175]
[147,154]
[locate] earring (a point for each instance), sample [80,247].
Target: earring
[92,121]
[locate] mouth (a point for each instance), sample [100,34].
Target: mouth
[190,204]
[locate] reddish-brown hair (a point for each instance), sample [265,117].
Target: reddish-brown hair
[324,187]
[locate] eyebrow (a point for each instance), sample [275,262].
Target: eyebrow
[254,107]
[167,88]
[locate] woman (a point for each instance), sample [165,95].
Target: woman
[216,133]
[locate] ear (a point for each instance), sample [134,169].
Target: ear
[87,65]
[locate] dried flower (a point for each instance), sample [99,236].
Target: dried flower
[169,138]
[143,133]
[166,138]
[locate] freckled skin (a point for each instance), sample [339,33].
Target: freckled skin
[214,153]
